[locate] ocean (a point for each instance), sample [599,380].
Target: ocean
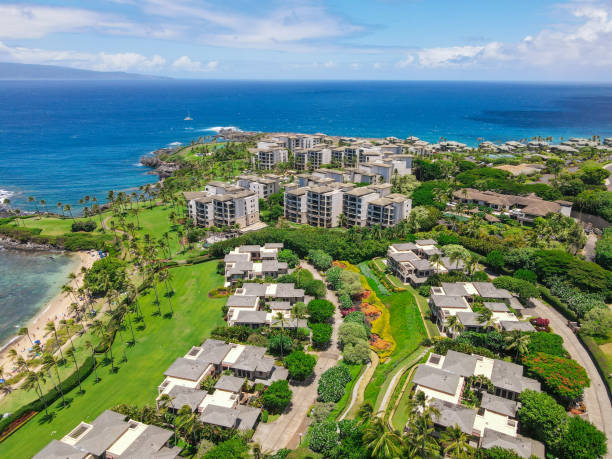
[60,141]
[28,280]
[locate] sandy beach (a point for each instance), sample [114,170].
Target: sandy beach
[54,311]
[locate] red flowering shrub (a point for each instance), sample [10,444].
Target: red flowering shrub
[562,378]
[346,312]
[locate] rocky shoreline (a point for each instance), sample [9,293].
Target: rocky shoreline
[28,246]
[163,169]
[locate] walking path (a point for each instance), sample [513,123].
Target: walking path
[361,384]
[288,429]
[599,409]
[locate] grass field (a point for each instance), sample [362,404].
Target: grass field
[136,381]
[408,331]
[425,312]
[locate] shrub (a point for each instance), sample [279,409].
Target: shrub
[357,353]
[499,453]
[541,417]
[578,302]
[443,345]
[321,260]
[424,290]
[526,274]
[603,249]
[234,448]
[351,283]
[288,257]
[351,333]
[323,437]
[548,343]
[495,259]
[345,301]
[320,310]
[321,335]
[522,288]
[105,274]
[581,440]
[87,225]
[280,344]
[300,365]
[597,322]
[277,397]
[332,383]
[333,277]
[357,317]
[321,410]
[563,378]
[236,333]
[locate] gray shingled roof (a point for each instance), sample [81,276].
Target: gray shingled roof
[182,396]
[148,443]
[425,242]
[253,289]
[106,429]
[214,351]
[499,404]
[509,376]
[511,325]
[229,383]
[288,291]
[404,247]
[454,289]
[251,317]
[520,445]
[469,318]
[451,415]
[459,363]
[59,450]
[274,245]
[488,290]
[421,265]
[219,416]
[280,305]
[404,256]
[184,368]
[516,304]
[496,307]
[242,301]
[445,301]
[435,378]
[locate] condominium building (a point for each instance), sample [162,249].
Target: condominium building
[295,205]
[112,436]
[262,186]
[389,210]
[324,205]
[268,158]
[311,158]
[355,202]
[248,262]
[223,205]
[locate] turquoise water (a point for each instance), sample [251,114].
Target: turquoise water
[28,280]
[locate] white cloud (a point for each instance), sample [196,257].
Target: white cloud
[105,62]
[355,66]
[405,62]
[329,64]
[185,63]
[376,65]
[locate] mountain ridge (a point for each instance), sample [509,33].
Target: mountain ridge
[17,71]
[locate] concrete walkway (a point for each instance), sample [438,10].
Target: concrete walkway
[599,409]
[361,384]
[288,429]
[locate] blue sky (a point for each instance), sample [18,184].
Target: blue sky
[317,39]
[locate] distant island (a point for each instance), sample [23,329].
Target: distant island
[14,71]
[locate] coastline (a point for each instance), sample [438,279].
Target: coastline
[56,309]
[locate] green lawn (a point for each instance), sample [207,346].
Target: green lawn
[408,331]
[425,311]
[52,226]
[136,381]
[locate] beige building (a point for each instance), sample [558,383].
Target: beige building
[262,186]
[389,210]
[312,158]
[355,203]
[268,158]
[223,205]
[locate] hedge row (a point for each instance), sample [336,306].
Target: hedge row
[67,385]
[69,241]
[557,304]
[600,359]
[382,277]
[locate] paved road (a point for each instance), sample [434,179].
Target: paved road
[599,409]
[608,181]
[589,248]
[285,431]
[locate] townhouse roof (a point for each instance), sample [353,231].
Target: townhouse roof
[421,265]
[423,242]
[230,383]
[182,396]
[405,246]
[242,301]
[520,445]
[214,351]
[454,289]
[401,257]
[437,379]
[446,301]
[516,304]
[496,307]
[106,429]
[59,450]
[253,358]
[452,415]
[184,368]
[488,290]
[251,317]
[469,318]
[499,405]
[254,289]
[235,257]
[274,245]
[190,195]
[515,325]
[249,248]
[273,265]
[247,417]
[278,373]
[280,305]
[459,363]
[298,191]
[509,376]
[361,191]
[220,416]
[149,443]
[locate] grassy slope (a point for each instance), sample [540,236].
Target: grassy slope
[136,382]
[407,329]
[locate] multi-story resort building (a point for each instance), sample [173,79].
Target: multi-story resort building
[268,157]
[312,158]
[442,380]
[324,205]
[455,299]
[389,210]
[521,208]
[295,205]
[227,405]
[263,187]
[112,436]
[223,204]
[246,306]
[410,262]
[249,262]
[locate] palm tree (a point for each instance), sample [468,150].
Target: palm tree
[382,442]
[456,443]
[365,412]
[50,328]
[436,260]
[44,204]
[24,331]
[519,341]
[32,382]
[68,208]
[421,441]
[163,277]
[48,362]
[485,317]
[89,345]
[72,353]
[454,324]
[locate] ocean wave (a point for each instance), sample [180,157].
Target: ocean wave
[4,194]
[138,164]
[175,144]
[188,129]
[219,128]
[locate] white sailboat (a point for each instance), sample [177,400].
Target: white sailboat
[188,117]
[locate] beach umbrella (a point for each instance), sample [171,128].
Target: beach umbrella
[2,381]
[37,341]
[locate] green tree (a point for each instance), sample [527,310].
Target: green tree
[277,397]
[456,443]
[380,441]
[300,365]
[320,310]
[321,335]
[597,322]
[541,417]
[581,440]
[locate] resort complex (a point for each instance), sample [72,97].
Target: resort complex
[305,295]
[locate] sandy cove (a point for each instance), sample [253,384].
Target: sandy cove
[54,311]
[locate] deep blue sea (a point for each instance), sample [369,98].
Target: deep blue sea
[62,140]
